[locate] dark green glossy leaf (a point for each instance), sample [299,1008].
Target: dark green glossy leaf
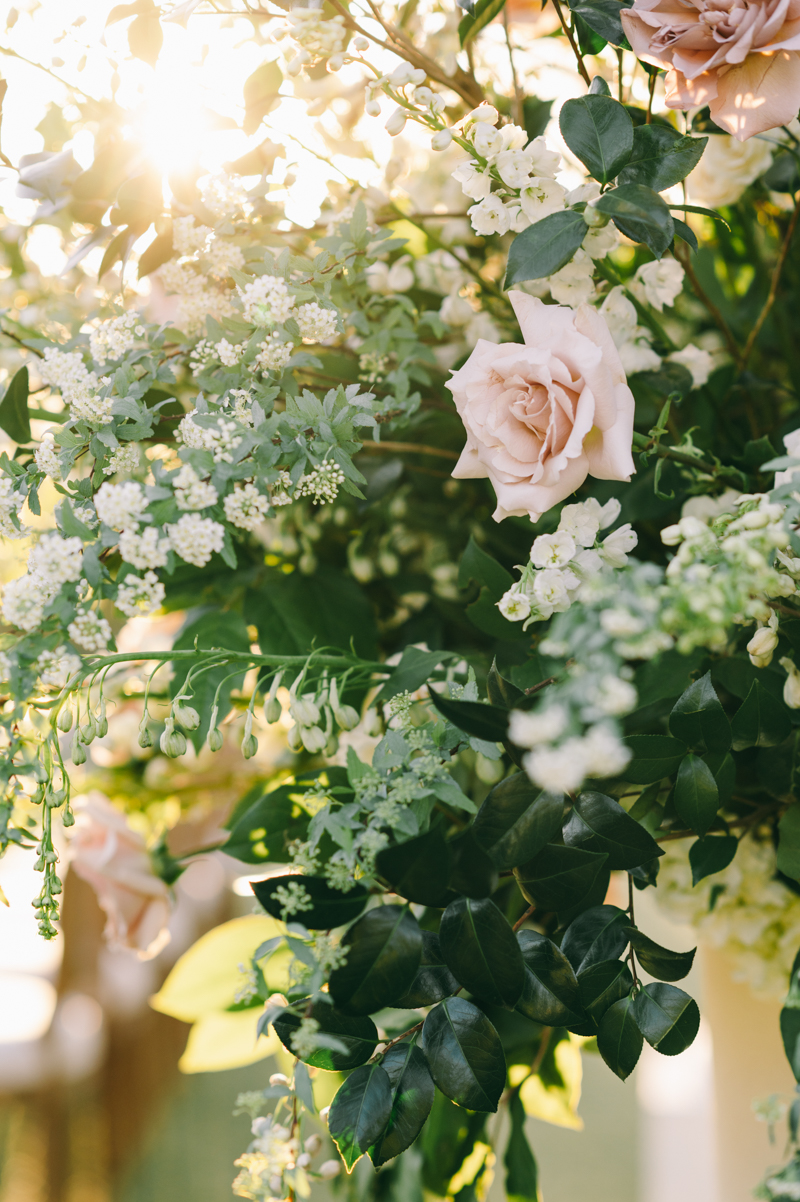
[661,157]
[619,1040]
[603,17]
[602,985]
[358,1035]
[464,1054]
[264,826]
[433,981]
[682,230]
[536,114]
[292,613]
[696,795]
[516,821]
[480,721]
[667,1017]
[790,1020]
[384,949]
[419,868]
[501,691]
[14,409]
[359,1112]
[478,565]
[597,934]
[550,993]
[761,720]
[654,757]
[559,877]
[598,823]
[599,131]
[411,673]
[711,854]
[331,908]
[472,872]
[698,717]
[640,214]
[413,1092]
[481,950]
[659,961]
[521,1184]
[482,13]
[545,247]
[723,770]
[789,842]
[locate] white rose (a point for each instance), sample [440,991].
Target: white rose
[698,361]
[726,169]
[660,282]
[543,415]
[541,197]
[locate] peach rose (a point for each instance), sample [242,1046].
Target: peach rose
[112,857]
[737,56]
[542,416]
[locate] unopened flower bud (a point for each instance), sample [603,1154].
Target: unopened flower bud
[88,730]
[441,139]
[67,819]
[305,711]
[791,688]
[396,123]
[294,738]
[78,752]
[595,218]
[272,710]
[279,1079]
[145,738]
[173,742]
[671,536]
[761,647]
[329,1169]
[64,719]
[56,798]
[347,717]
[313,1143]
[215,739]
[402,75]
[185,715]
[336,62]
[102,721]
[360,44]
[313,738]
[249,746]
[372,108]
[417,76]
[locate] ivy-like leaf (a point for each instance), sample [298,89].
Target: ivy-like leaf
[667,1017]
[598,823]
[330,908]
[619,1040]
[481,950]
[464,1054]
[550,993]
[359,1036]
[384,949]
[359,1112]
[660,961]
[413,1092]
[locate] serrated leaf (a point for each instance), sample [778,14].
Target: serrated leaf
[550,991]
[384,949]
[712,853]
[433,981]
[359,1112]
[598,823]
[597,934]
[659,961]
[413,1092]
[559,878]
[696,795]
[698,717]
[600,132]
[481,951]
[640,214]
[419,868]
[667,1017]
[545,247]
[330,907]
[619,1040]
[358,1035]
[516,821]
[464,1054]
[761,720]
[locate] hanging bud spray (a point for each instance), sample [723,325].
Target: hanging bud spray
[64,720]
[272,707]
[185,715]
[173,742]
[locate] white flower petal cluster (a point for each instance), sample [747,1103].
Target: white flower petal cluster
[266,299]
[191,492]
[56,667]
[124,460]
[246,507]
[323,483]
[114,338]
[89,631]
[140,596]
[273,355]
[658,283]
[52,562]
[631,340]
[221,441]
[47,457]
[316,324]
[195,539]
[11,503]
[120,506]
[599,753]
[146,550]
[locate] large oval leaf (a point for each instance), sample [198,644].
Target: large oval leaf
[619,1040]
[413,1092]
[419,868]
[654,757]
[545,247]
[696,795]
[640,214]
[481,950]
[359,1112]
[475,719]
[550,992]
[661,157]
[434,980]
[330,907]
[660,961]
[516,821]
[598,823]
[600,132]
[698,716]
[465,1054]
[667,1017]
[384,949]
[559,878]
[351,1040]
[597,934]
[602,985]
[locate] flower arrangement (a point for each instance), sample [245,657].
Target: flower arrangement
[444,706]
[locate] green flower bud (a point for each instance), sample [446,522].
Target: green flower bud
[145,738]
[272,709]
[313,738]
[102,721]
[37,797]
[78,752]
[215,739]
[294,738]
[347,717]
[64,719]
[332,746]
[185,715]
[67,819]
[304,711]
[89,731]
[173,742]
[56,798]
[249,746]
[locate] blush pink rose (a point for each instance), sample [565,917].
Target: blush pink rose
[113,859]
[739,57]
[542,416]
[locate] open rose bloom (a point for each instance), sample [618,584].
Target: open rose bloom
[542,416]
[739,57]
[113,859]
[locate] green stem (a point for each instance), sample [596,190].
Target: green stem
[642,443]
[608,273]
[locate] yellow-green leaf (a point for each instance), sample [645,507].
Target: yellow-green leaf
[557,1104]
[226,1040]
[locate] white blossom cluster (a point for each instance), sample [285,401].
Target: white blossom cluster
[11,503]
[114,338]
[66,371]
[266,300]
[120,506]
[124,460]
[52,562]
[561,563]
[195,539]
[89,631]
[47,458]
[56,667]
[140,596]
[323,483]
[316,324]
[245,507]
[272,1152]
[146,550]
[273,354]
[314,36]
[221,442]
[191,492]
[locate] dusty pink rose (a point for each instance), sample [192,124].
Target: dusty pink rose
[542,416]
[739,57]
[112,857]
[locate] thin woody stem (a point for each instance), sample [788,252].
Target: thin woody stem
[518,95]
[773,288]
[684,256]
[417,448]
[522,918]
[572,42]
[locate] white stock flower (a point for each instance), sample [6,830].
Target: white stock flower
[762,646]
[638,355]
[195,539]
[490,216]
[486,139]
[616,546]
[120,506]
[573,285]
[530,729]
[600,239]
[545,162]
[585,518]
[541,197]
[553,550]
[475,183]
[791,687]
[551,592]
[515,605]
[660,282]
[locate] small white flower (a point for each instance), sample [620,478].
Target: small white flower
[490,216]
[605,754]
[761,647]
[540,197]
[557,769]
[698,361]
[527,729]
[475,183]
[791,687]
[515,606]
[616,546]
[553,550]
[120,506]
[660,282]
[550,590]
[195,539]
[574,284]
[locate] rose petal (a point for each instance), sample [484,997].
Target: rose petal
[758,95]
